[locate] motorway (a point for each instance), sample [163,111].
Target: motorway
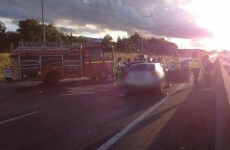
[82,115]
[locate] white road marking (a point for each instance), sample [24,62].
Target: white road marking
[130,126]
[16,118]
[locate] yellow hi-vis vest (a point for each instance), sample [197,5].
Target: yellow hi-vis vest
[116,68]
[195,64]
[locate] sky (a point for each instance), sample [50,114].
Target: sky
[189,23]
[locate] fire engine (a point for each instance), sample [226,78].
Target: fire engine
[54,61]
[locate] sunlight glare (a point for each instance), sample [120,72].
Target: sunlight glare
[212,15]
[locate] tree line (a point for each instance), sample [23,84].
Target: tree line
[31,30]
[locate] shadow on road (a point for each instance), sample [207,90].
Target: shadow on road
[227,68]
[74,107]
[183,90]
[193,126]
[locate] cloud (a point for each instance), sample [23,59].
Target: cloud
[81,29]
[124,15]
[197,44]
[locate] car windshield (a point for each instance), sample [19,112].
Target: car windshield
[142,67]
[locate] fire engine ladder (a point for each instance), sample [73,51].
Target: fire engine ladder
[41,46]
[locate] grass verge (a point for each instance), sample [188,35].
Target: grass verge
[4,61]
[1,77]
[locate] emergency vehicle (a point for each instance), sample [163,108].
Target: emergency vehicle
[54,61]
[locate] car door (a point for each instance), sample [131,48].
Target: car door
[181,75]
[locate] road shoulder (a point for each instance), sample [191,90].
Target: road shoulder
[224,104]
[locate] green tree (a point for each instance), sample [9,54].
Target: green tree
[119,44]
[2,37]
[2,28]
[81,40]
[158,46]
[107,40]
[52,34]
[12,40]
[136,38]
[30,30]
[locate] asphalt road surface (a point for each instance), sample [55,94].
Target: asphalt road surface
[82,115]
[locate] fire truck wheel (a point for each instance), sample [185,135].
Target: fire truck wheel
[53,77]
[103,75]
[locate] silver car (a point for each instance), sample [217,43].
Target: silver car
[144,76]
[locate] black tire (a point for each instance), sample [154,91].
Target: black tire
[52,77]
[103,75]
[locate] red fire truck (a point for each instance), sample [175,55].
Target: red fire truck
[54,61]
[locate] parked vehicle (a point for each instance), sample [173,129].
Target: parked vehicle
[142,76]
[54,61]
[152,76]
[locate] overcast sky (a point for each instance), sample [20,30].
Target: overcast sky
[97,17]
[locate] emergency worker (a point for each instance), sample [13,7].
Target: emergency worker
[195,66]
[150,59]
[117,71]
[208,68]
[127,64]
[176,62]
[128,61]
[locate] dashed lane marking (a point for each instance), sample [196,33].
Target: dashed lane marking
[130,126]
[19,117]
